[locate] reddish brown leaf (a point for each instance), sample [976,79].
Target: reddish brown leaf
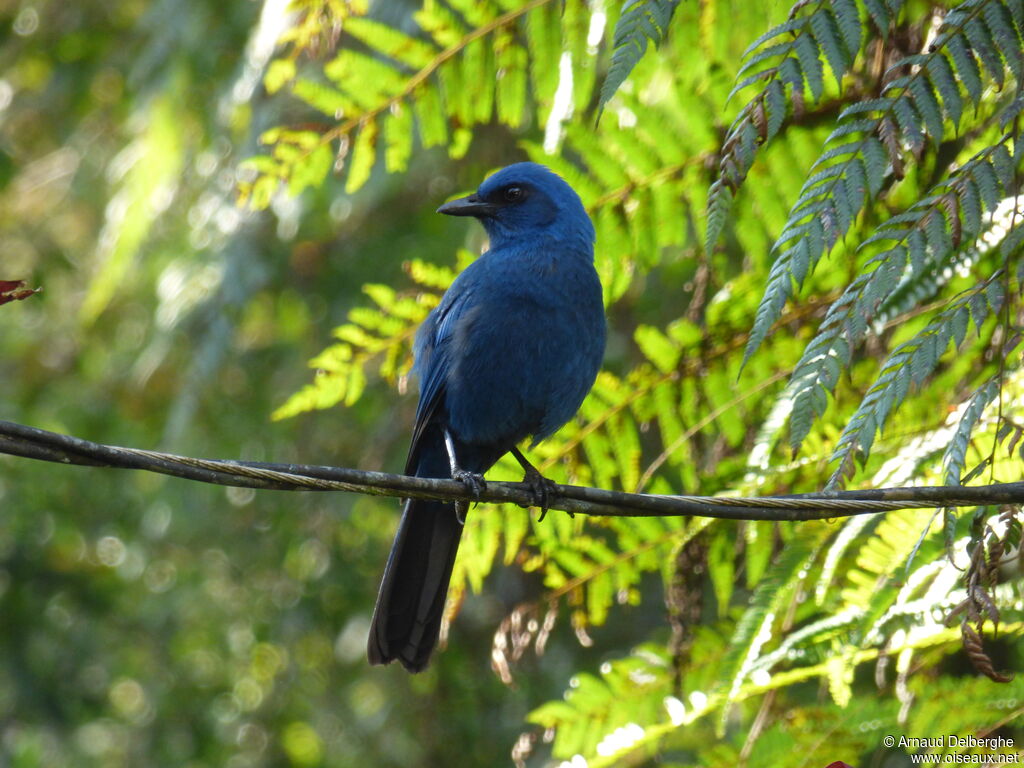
[978,658]
[15,290]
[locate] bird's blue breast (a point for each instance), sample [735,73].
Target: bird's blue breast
[516,344]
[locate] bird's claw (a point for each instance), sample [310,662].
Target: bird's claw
[543,491]
[474,483]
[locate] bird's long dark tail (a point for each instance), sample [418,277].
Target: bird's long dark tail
[407,620]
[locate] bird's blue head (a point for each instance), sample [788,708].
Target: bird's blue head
[527,200]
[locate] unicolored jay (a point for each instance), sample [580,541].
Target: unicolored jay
[509,353]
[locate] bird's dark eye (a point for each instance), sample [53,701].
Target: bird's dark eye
[513,193]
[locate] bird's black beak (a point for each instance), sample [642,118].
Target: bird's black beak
[468,206]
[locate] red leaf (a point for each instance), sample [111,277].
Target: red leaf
[15,290]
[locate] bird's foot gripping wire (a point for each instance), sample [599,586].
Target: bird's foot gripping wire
[543,489]
[474,482]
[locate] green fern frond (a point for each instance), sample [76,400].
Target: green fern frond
[871,135]
[882,13]
[379,337]
[312,27]
[956,452]
[878,580]
[629,691]
[640,22]
[910,364]
[773,592]
[639,184]
[603,565]
[403,79]
[297,159]
[936,232]
[827,32]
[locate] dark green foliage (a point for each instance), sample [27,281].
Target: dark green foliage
[900,160]
[806,216]
[871,140]
[956,451]
[815,34]
[640,22]
[938,232]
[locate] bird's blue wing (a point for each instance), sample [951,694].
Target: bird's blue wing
[433,360]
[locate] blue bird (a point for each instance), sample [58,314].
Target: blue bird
[509,353]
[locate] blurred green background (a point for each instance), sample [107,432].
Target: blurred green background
[152,621]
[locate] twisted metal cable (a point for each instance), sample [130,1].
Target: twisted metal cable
[33,443]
